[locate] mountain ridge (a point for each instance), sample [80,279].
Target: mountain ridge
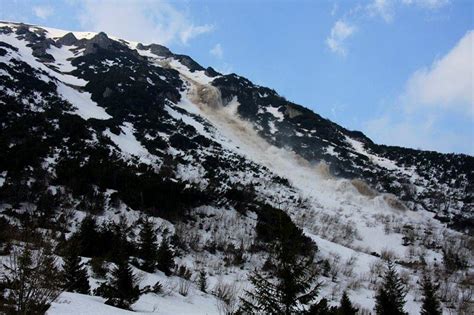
[110,127]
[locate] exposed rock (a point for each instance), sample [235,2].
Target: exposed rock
[68,40]
[211,72]
[108,91]
[189,62]
[156,49]
[100,40]
[292,112]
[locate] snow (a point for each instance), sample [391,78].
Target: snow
[128,144]
[275,112]
[327,195]
[3,176]
[5,73]
[380,161]
[62,56]
[198,76]
[81,304]
[330,151]
[55,33]
[272,127]
[86,107]
[25,53]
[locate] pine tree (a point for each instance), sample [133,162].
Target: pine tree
[346,307]
[88,236]
[264,299]
[148,246]
[289,285]
[431,304]
[122,289]
[165,257]
[75,278]
[202,281]
[390,298]
[321,308]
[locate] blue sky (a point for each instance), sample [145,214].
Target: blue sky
[401,71]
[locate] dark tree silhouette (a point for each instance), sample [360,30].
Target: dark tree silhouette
[431,304]
[390,298]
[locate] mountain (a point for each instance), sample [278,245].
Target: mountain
[107,127]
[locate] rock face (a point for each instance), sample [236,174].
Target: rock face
[69,39]
[156,49]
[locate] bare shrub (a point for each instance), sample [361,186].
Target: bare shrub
[183,286]
[227,295]
[376,268]
[387,254]
[348,267]
[32,280]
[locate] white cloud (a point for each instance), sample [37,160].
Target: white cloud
[43,12]
[427,4]
[386,9]
[448,83]
[436,102]
[217,51]
[340,32]
[421,131]
[382,8]
[146,21]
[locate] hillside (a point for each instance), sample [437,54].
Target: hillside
[93,125]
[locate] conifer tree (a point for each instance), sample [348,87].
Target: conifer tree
[148,246]
[431,304]
[122,289]
[75,278]
[346,307]
[264,299]
[88,235]
[321,308]
[165,257]
[289,285]
[390,298]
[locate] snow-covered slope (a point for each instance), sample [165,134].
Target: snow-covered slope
[102,109]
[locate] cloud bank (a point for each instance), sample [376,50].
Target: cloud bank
[434,98]
[43,12]
[448,82]
[146,21]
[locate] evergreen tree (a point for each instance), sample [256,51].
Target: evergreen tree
[289,284]
[75,278]
[346,307]
[165,257]
[321,308]
[390,298]
[264,299]
[202,281]
[122,289]
[88,236]
[148,246]
[431,304]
